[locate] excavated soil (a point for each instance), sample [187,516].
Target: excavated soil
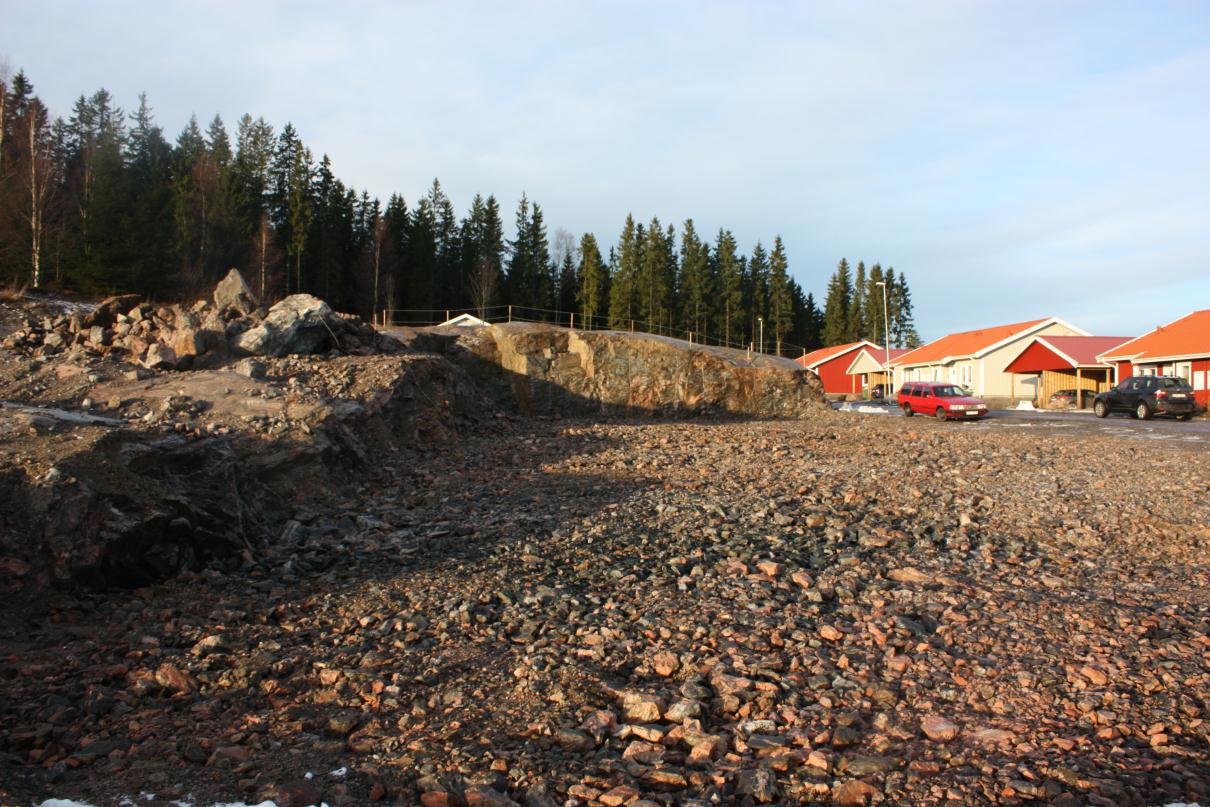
[601,612]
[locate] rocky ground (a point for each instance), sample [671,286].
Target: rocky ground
[837,611]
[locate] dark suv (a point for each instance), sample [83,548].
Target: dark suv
[1147,395]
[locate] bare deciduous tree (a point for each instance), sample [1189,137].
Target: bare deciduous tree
[482,283]
[38,173]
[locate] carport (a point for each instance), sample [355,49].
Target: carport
[1065,362]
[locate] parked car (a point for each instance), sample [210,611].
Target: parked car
[940,399]
[1065,397]
[1147,395]
[877,392]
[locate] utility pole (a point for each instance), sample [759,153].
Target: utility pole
[886,341]
[761,348]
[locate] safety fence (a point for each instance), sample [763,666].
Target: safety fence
[428,317]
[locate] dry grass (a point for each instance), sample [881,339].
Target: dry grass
[13,292]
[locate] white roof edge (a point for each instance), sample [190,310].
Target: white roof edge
[1155,359]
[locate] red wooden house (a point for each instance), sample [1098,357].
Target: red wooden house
[831,364]
[1180,348]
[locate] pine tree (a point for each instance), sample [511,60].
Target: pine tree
[623,289]
[655,285]
[541,272]
[856,324]
[697,286]
[872,316]
[144,244]
[756,295]
[593,294]
[781,299]
[837,305]
[482,253]
[292,206]
[730,272]
[903,326]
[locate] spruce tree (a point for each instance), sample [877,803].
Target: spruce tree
[855,329]
[697,288]
[836,306]
[872,317]
[781,299]
[730,272]
[623,289]
[655,286]
[756,297]
[593,296]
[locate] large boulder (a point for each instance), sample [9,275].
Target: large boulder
[300,323]
[233,293]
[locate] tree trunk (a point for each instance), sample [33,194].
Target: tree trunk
[35,203]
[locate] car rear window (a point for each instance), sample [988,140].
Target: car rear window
[1172,383]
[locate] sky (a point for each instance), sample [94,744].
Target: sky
[1014,159]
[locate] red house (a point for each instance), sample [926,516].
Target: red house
[1180,348]
[831,364]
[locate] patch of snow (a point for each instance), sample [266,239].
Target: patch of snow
[63,803]
[308,776]
[339,773]
[1026,406]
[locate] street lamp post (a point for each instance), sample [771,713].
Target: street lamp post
[886,340]
[761,320]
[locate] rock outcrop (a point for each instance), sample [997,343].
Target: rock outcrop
[548,369]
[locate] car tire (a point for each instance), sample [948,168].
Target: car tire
[1184,417]
[941,413]
[1100,409]
[907,410]
[1142,411]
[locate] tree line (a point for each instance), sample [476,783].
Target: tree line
[101,201]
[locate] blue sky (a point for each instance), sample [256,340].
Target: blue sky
[1014,159]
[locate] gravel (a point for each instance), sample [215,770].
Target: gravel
[837,611]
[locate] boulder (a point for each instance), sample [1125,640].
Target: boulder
[298,324]
[160,357]
[233,293]
[109,308]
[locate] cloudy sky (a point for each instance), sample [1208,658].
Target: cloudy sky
[1015,159]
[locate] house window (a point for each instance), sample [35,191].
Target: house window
[1184,369]
[1199,380]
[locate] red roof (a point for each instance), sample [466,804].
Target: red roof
[966,343]
[1083,350]
[1189,336]
[1062,352]
[879,354]
[818,357]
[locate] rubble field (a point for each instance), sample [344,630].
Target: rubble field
[616,612]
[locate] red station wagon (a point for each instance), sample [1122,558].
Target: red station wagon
[940,399]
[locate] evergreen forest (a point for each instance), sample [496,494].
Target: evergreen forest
[102,201]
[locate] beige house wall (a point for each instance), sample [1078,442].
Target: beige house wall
[985,375]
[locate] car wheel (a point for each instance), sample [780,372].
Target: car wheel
[940,413]
[907,410]
[1183,417]
[1142,412]
[1100,409]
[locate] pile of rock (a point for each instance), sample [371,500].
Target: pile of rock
[204,335]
